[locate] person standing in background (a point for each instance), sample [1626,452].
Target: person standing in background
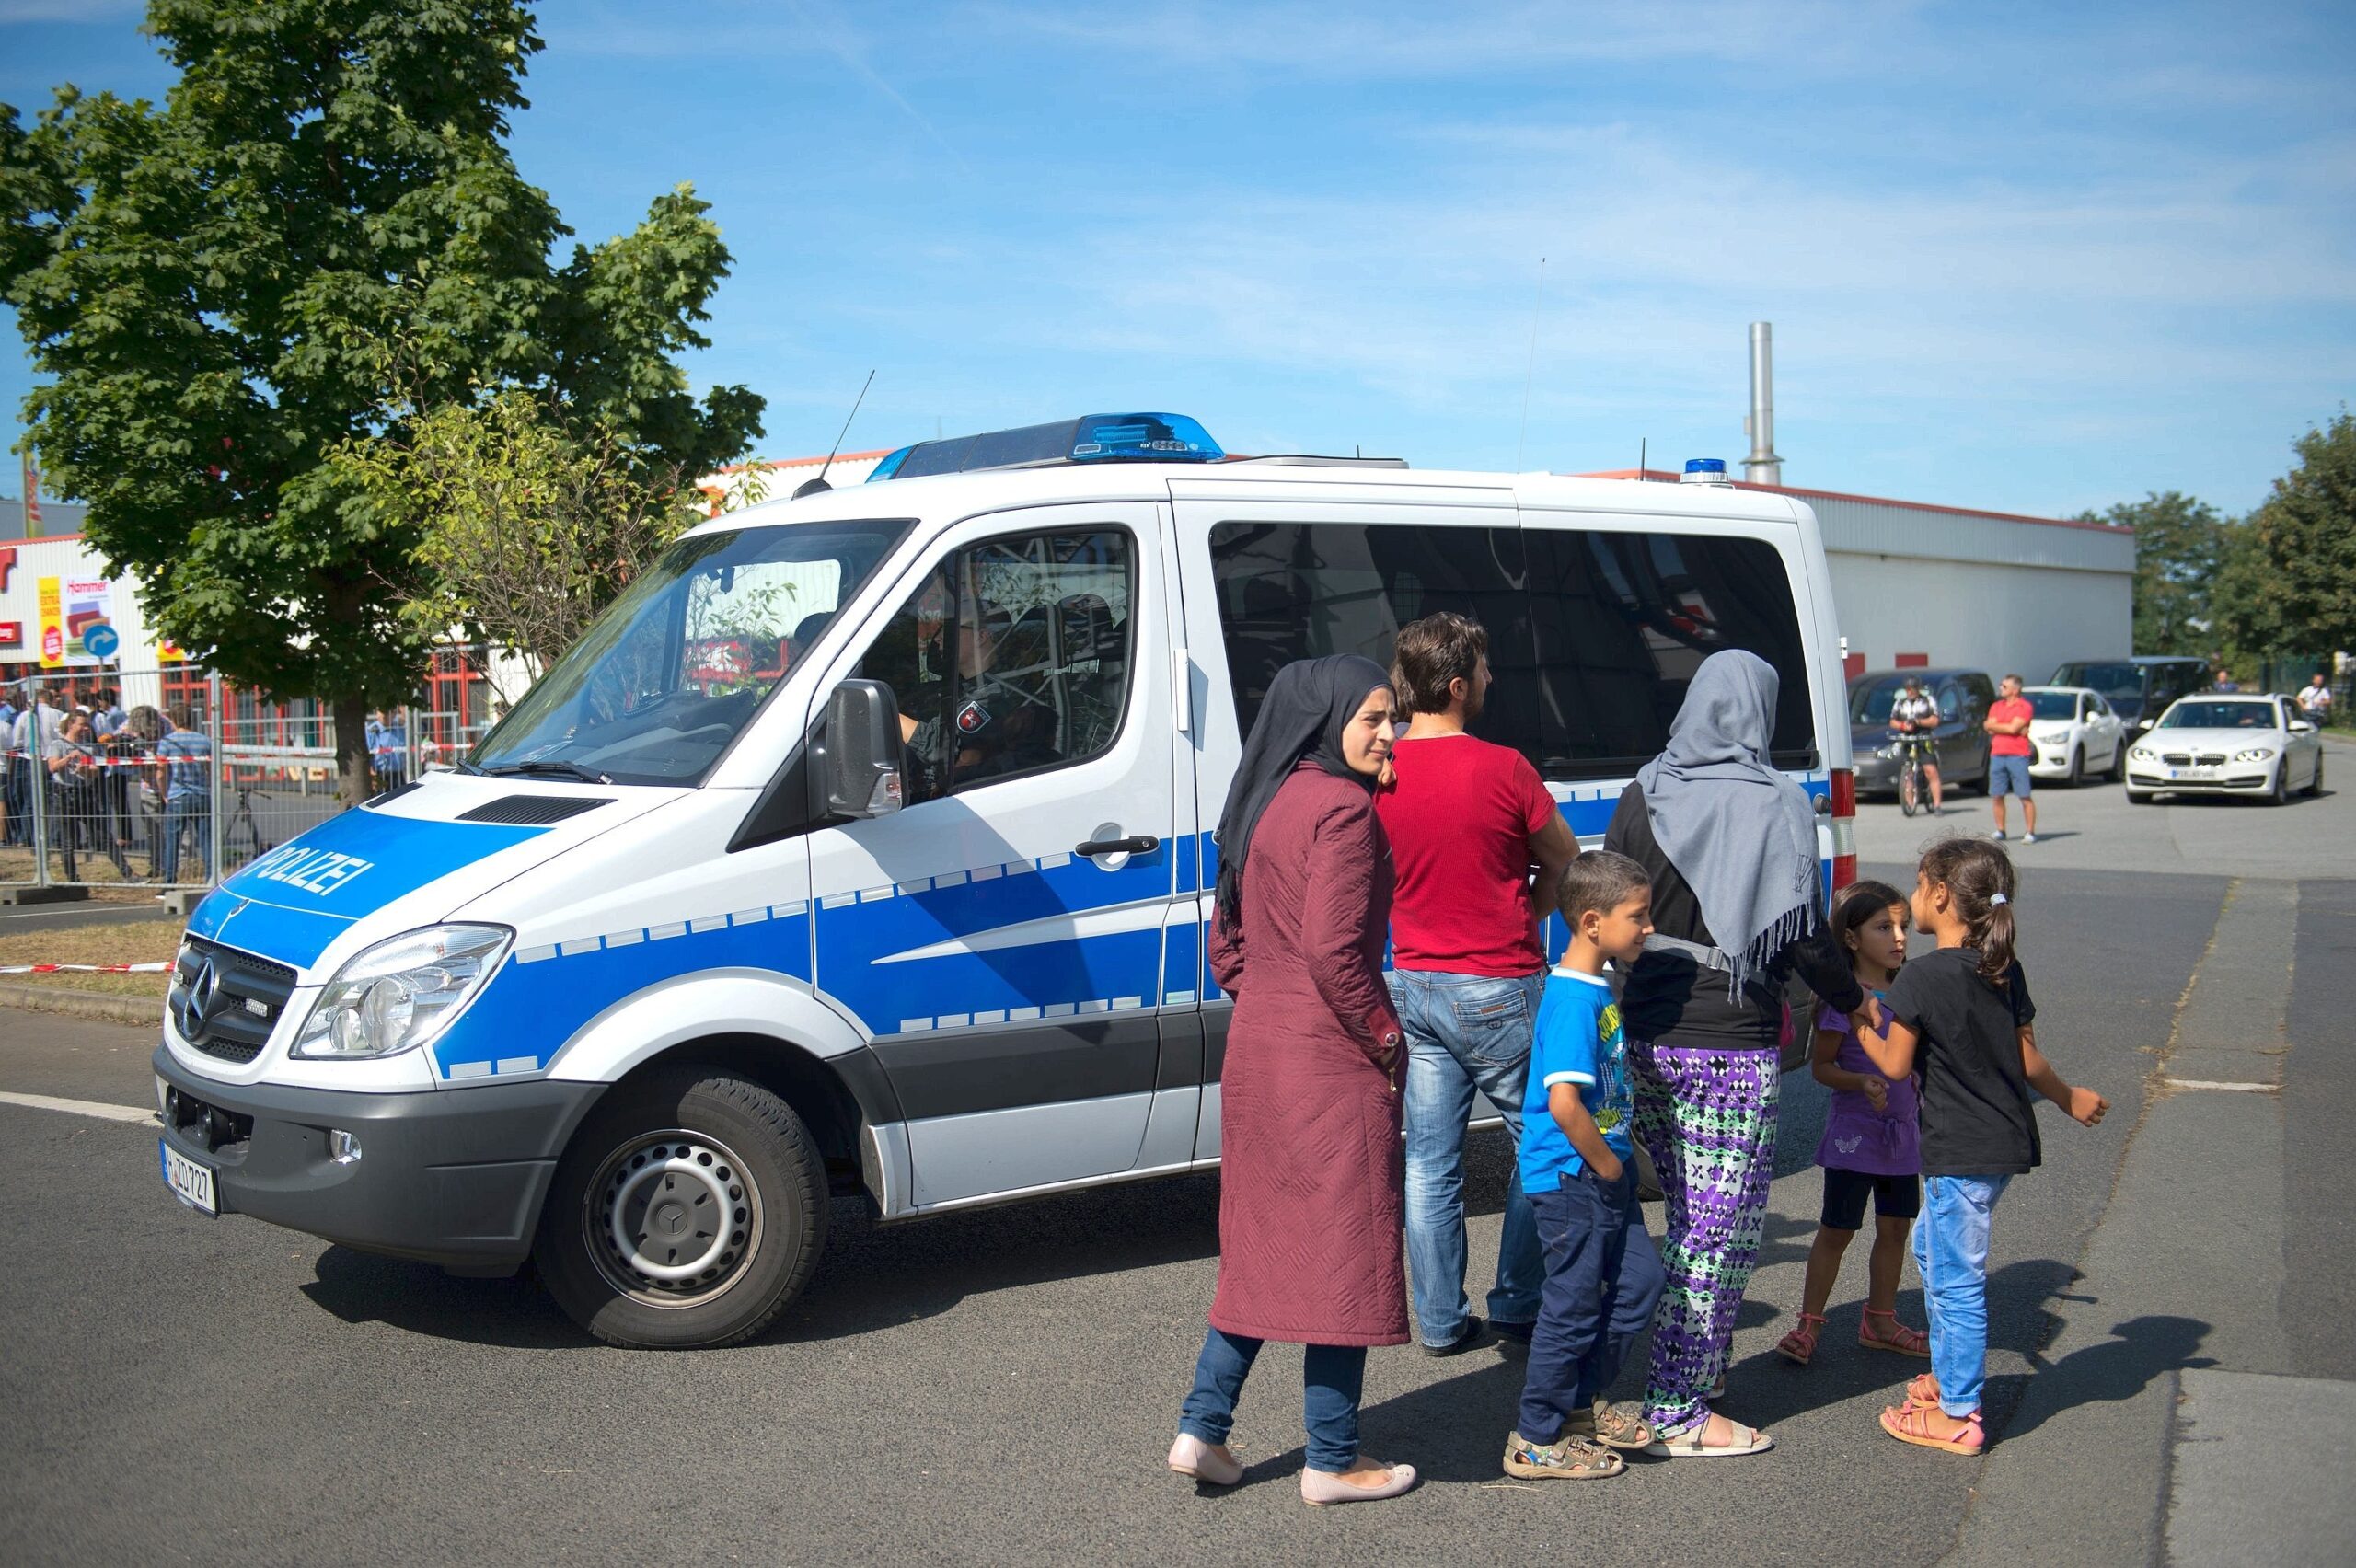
[184,757]
[1467,820]
[2008,754]
[2314,700]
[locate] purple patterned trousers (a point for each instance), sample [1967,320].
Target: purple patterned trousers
[1708,1118]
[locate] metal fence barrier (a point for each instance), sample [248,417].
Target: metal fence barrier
[182,779]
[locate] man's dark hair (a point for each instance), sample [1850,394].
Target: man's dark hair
[1600,879]
[1431,655]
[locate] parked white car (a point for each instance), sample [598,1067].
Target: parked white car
[2075,733]
[2227,745]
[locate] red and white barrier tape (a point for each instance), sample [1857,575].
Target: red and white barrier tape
[156,968]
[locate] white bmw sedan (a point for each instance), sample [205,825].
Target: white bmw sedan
[2216,745]
[2075,733]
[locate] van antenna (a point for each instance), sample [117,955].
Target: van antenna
[817,485]
[1522,440]
[1643,445]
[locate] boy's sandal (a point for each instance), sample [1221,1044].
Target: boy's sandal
[1688,1443]
[1614,1426]
[1799,1346]
[1911,1423]
[1569,1458]
[1923,1390]
[1899,1337]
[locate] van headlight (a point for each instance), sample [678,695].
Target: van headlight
[2255,753]
[401,993]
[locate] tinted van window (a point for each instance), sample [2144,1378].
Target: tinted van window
[1593,635]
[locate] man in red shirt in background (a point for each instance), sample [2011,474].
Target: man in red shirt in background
[2009,750]
[1466,820]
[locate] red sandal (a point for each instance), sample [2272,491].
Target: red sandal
[1911,1423]
[1923,1390]
[1799,1346]
[1905,1341]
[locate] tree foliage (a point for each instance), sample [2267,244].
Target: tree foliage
[2287,586]
[209,287]
[526,530]
[2180,544]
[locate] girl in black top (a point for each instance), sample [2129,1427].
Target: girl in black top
[1961,1018]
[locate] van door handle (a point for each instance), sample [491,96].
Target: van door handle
[1142,843]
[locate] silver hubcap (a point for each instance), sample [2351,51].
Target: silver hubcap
[672,1218]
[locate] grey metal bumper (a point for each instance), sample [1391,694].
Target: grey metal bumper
[454,1177]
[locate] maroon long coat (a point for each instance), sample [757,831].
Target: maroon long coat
[1311,1203]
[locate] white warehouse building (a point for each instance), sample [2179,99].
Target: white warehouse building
[1917,584]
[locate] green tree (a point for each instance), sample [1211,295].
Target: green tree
[2288,586]
[2180,544]
[209,289]
[526,529]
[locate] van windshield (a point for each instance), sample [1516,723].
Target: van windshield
[676,667]
[2118,681]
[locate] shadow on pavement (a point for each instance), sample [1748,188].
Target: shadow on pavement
[870,1276]
[2141,1350]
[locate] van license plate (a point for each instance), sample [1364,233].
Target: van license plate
[190,1182]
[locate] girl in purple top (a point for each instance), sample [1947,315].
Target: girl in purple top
[1870,1146]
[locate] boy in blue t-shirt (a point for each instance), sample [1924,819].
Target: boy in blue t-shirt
[1603,1276]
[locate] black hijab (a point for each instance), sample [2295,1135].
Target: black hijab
[1309,705]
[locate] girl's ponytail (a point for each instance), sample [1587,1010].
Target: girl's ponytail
[1978,876]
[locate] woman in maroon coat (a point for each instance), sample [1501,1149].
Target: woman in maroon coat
[1310,1202]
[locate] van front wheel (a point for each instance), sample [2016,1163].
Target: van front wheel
[688,1212]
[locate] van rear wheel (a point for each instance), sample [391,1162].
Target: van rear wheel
[688,1212]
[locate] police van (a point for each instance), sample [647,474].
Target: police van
[864,848]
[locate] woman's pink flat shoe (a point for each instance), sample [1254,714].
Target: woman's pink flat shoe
[1191,1455]
[1322,1487]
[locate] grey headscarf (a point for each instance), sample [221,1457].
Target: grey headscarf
[1741,835]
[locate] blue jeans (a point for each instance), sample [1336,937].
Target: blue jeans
[1464,1032]
[1331,1376]
[187,813]
[1603,1279]
[1951,1254]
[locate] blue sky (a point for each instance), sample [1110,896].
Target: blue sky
[2026,257]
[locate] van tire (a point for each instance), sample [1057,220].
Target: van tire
[743,1154]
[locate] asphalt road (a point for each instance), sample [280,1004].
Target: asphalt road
[1003,1384]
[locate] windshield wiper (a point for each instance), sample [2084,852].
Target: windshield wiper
[554,768]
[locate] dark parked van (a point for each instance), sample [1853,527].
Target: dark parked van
[2139,690]
[1963,696]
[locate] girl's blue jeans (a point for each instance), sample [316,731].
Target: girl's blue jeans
[1333,1377]
[1951,1254]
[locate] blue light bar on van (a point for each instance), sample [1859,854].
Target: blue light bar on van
[1092,438]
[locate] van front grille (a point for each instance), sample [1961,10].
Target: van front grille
[226,1002]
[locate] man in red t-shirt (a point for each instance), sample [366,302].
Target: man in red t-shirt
[1466,821]
[2009,749]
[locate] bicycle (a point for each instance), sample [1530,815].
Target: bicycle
[1914,756]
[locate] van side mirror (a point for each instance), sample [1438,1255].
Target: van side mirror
[858,756]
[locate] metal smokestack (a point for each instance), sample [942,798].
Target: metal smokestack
[1762,466]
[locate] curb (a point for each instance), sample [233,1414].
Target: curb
[83,1004]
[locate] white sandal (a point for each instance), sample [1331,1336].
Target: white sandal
[1688,1443]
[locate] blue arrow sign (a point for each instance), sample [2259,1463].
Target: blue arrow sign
[100,640]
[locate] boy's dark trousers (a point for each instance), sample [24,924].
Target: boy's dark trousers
[1603,1279]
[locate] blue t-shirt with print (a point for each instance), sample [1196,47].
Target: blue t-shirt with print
[1578,1041]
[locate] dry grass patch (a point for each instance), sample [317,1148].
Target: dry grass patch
[128,941]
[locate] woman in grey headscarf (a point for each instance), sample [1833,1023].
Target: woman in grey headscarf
[1736,906]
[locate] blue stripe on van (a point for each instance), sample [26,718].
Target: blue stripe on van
[542,997]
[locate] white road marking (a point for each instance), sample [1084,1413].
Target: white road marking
[79,1107]
[2213,1083]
